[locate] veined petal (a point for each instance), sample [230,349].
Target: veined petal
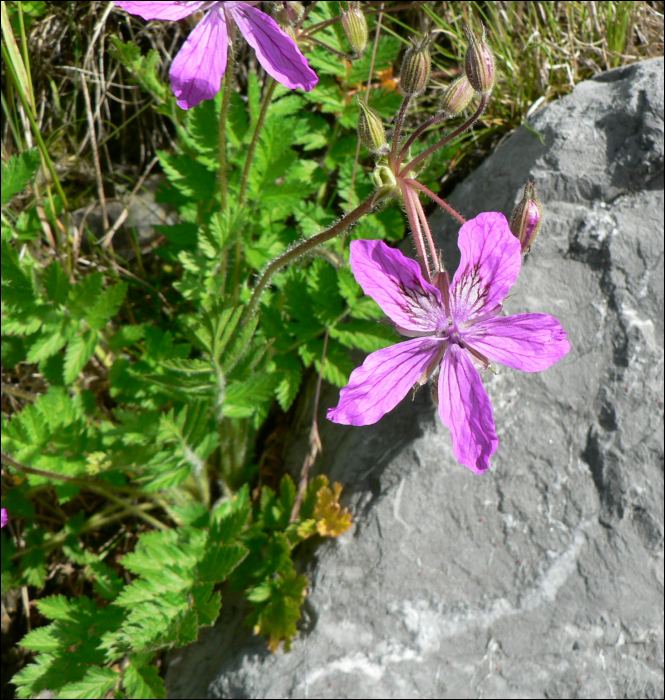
[530,342]
[397,286]
[196,72]
[384,379]
[491,260]
[164,9]
[277,52]
[465,408]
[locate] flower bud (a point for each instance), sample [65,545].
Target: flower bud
[479,63]
[289,13]
[457,97]
[416,67]
[527,217]
[370,128]
[355,28]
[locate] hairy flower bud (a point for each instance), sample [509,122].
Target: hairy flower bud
[370,128]
[416,67]
[355,28]
[457,97]
[527,217]
[479,63]
[289,13]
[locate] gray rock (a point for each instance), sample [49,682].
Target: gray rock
[544,576]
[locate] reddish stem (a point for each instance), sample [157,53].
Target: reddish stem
[416,230]
[416,134]
[428,233]
[442,203]
[418,159]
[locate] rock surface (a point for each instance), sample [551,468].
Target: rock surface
[543,577]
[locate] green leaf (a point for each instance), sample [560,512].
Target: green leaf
[55,607]
[244,398]
[144,68]
[106,305]
[365,335]
[48,343]
[79,351]
[96,683]
[126,336]
[17,173]
[43,639]
[220,560]
[143,682]
[189,177]
[289,368]
[56,284]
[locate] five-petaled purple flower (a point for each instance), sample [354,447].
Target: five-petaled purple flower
[196,72]
[455,328]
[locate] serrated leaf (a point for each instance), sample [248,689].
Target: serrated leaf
[17,173]
[143,68]
[187,366]
[289,368]
[106,305]
[43,639]
[368,336]
[79,351]
[48,343]
[96,683]
[126,336]
[143,682]
[188,176]
[220,560]
[243,399]
[56,284]
[55,607]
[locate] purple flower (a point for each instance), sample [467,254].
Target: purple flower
[196,72]
[4,517]
[455,328]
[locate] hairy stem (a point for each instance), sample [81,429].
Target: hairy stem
[226,99]
[418,159]
[428,233]
[398,125]
[425,125]
[341,54]
[304,247]
[441,202]
[314,439]
[416,231]
[267,99]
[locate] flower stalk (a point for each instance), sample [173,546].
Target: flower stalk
[303,248]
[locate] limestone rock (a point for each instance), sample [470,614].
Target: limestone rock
[544,576]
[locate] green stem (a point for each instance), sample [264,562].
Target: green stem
[226,99]
[341,54]
[300,250]
[84,483]
[418,159]
[267,100]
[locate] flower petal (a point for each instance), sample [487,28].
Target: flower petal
[530,342]
[166,9]
[384,379]
[4,518]
[465,408]
[197,70]
[491,260]
[277,52]
[397,286]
